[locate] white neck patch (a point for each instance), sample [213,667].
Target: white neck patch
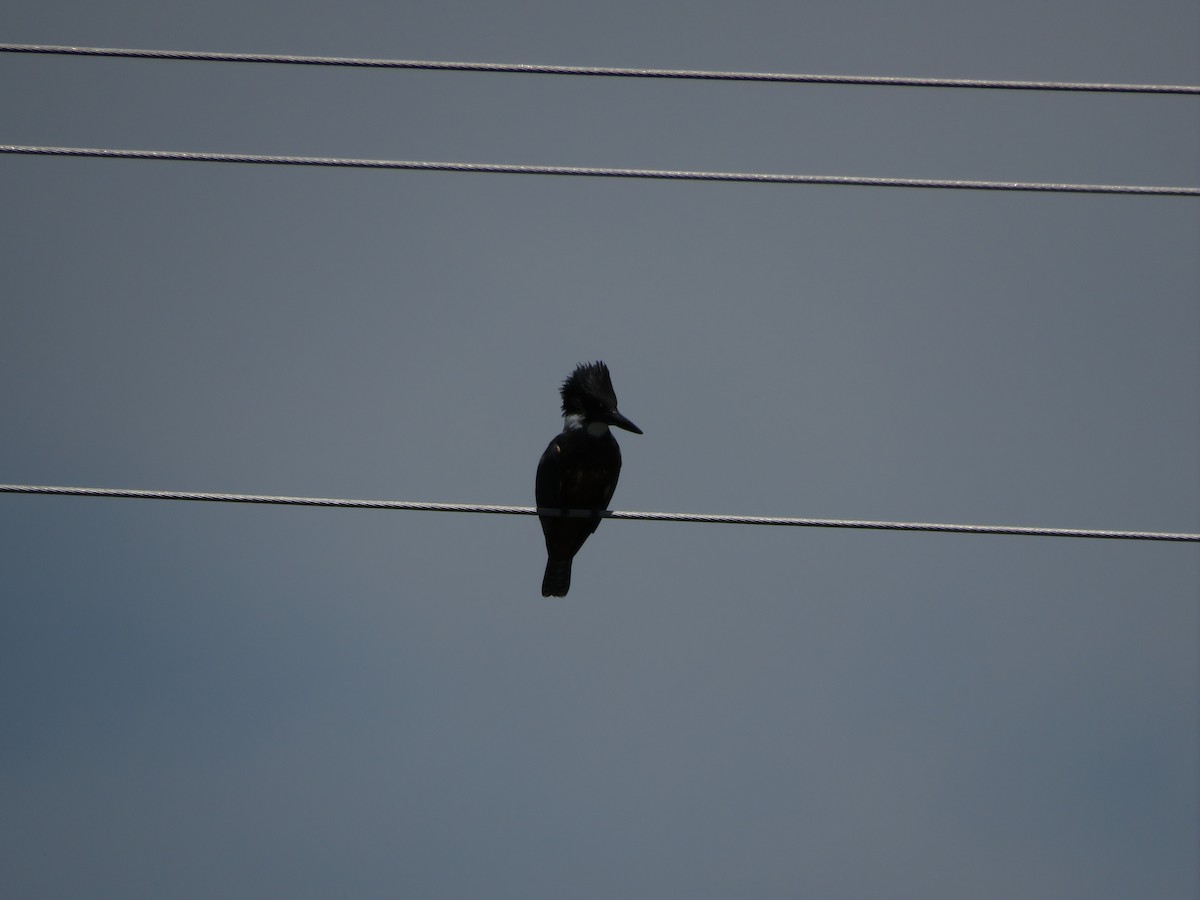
[575,421]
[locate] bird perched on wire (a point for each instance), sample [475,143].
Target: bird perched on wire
[579,469]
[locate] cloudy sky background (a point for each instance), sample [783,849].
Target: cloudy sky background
[215,700]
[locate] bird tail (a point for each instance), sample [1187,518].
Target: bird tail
[557,580]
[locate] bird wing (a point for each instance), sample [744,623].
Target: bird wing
[548,487]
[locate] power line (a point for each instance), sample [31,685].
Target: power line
[268,499]
[608,71]
[601,172]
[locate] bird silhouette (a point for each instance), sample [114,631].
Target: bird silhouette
[579,470]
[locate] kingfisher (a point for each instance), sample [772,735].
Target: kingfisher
[579,469]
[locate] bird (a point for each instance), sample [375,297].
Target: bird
[579,469]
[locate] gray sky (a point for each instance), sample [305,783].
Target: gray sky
[206,700]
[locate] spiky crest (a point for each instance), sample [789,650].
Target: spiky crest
[589,386]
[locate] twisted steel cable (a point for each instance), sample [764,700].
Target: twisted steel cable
[419,506]
[602,71]
[598,172]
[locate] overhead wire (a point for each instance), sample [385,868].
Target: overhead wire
[419,506]
[600,171]
[603,71]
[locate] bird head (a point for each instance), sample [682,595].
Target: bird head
[588,398]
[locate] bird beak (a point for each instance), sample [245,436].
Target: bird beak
[615,418]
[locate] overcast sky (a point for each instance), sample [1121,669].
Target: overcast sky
[210,700]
